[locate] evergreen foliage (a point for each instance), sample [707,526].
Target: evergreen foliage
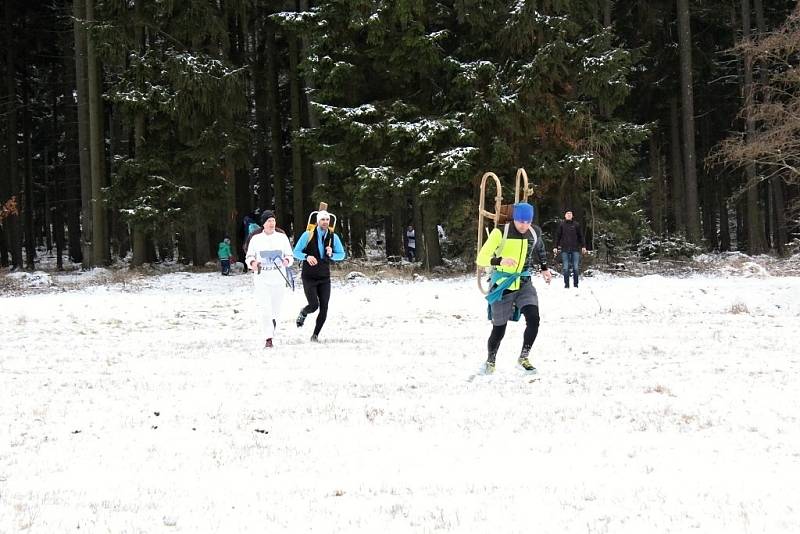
[396,111]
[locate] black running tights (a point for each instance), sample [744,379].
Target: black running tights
[318,293]
[531,314]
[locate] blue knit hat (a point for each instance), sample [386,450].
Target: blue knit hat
[523,212]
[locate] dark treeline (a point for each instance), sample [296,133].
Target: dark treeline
[151,129]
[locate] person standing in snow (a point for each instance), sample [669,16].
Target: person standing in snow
[516,251]
[269,253]
[317,249]
[224,255]
[569,239]
[411,243]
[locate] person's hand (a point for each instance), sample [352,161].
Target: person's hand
[285,261]
[583,250]
[329,251]
[508,262]
[555,251]
[311,260]
[254,265]
[547,276]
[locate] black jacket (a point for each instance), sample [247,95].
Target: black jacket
[322,269]
[569,236]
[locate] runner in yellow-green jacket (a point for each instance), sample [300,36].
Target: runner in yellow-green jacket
[517,252]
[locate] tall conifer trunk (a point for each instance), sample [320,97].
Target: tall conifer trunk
[295,124]
[776,187]
[79,16]
[755,228]
[139,231]
[275,130]
[28,205]
[71,203]
[100,254]
[677,181]
[687,112]
[13,220]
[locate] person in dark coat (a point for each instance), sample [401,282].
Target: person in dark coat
[569,241]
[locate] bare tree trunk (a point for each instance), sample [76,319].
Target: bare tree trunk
[58,193]
[755,229]
[741,224]
[708,197]
[388,235]
[430,236]
[47,213]
[419,236]
[71,199]
[3,234]
[607,11]
[202,245]
[275,130]
[29,205]
[395,226]
[79,15]
[724,223]
[242,53]
[13,220]
[298,213]
[320,173]
[358,235]
[260,101]
[780,233]
[229,223]
[657,196]
[687,110]
[677,181]
[100,254]
[138,229]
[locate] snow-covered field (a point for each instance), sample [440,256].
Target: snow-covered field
[662,404]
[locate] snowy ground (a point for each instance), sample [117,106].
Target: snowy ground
[662,404]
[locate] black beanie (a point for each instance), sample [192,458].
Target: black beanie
[268,214]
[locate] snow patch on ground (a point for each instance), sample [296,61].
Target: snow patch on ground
[662,404]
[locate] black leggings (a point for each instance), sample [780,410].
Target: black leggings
[531,314]
[318,293]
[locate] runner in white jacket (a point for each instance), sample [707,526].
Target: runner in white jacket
[268,255]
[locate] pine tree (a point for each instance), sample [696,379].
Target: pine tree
[192,99]
[421,99]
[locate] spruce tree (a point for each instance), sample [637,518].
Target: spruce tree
[424,98]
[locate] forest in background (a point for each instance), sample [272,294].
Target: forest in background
[148,130]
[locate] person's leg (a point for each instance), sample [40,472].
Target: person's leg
[576,267]
[264,306]
[323,296]
[531,314]
[502,310]
[565,267]
[493,345]
[276,293]
[310,290]
[226,267]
